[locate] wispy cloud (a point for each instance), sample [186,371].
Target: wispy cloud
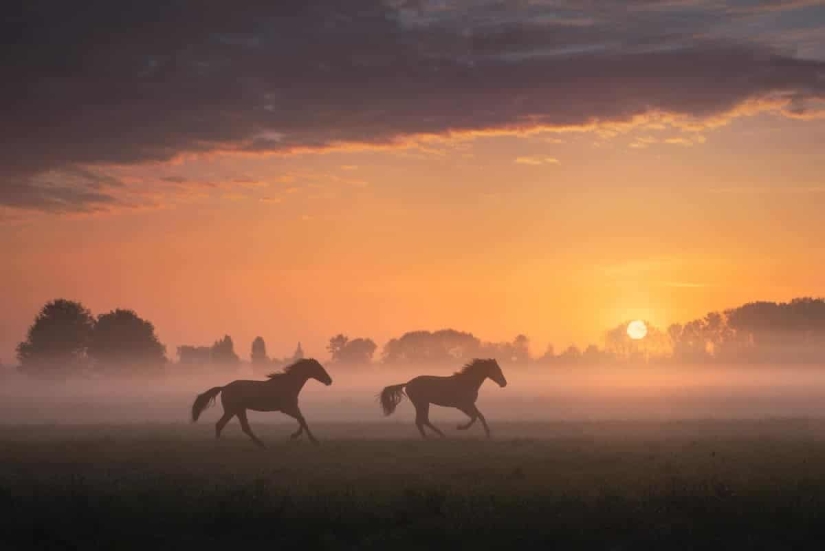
[689,140]
[773,6]
[536,160]
[679,141]
[643,142]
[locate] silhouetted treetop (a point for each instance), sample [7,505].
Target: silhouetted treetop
[258,353]
[57,340]
[356,351]
[123,339]
[443,346]
[223,351]
[194,355]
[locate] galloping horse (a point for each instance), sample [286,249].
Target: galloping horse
[279,393]
[459,390]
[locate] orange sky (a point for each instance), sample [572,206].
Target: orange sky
[558,235]
[299,169]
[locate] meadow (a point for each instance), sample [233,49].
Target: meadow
[690,484]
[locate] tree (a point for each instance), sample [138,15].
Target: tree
[548,357]
[521,350]
[792,332]
[571,354]
[223,351]
[122,339]
[619,346]
[357,351]
[336,345]
[258,354]
[194,355]
[424,347]
[56,341]
[592,355]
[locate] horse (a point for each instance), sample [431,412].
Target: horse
[278,393]
[459,390]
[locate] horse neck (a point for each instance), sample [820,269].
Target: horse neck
[474,379]
[296,380]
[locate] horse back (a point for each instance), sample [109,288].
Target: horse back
[439,390]
[256,395]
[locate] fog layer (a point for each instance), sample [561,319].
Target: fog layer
[532,394]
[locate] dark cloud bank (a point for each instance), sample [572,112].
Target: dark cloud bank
[99,82]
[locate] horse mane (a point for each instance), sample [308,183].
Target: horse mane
[472,366]
[288,369]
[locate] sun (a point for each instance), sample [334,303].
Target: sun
[636,330]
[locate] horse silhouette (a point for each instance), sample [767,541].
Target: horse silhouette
[459,390]
[279,393]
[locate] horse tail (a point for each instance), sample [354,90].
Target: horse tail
[204,400]
[391,396]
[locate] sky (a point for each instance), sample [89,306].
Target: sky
[299,169]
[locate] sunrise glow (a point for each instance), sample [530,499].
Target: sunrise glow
[470,182]
[637,330]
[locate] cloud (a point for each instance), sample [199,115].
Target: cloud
[679,141]
[773,6]
[71,190]
[100,86]
[642,142]
[536,160]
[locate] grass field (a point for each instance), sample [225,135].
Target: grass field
[566,485]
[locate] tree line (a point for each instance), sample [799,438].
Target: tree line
[66,338]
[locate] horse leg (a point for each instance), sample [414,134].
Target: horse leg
[306,428]
[222,423]
[296,413]
[425,419]
[436,429]
[483,421]
[247,429]
[470,412]
[297,433]
[421,414]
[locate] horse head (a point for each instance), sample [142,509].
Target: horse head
[494,373]
[317,372]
